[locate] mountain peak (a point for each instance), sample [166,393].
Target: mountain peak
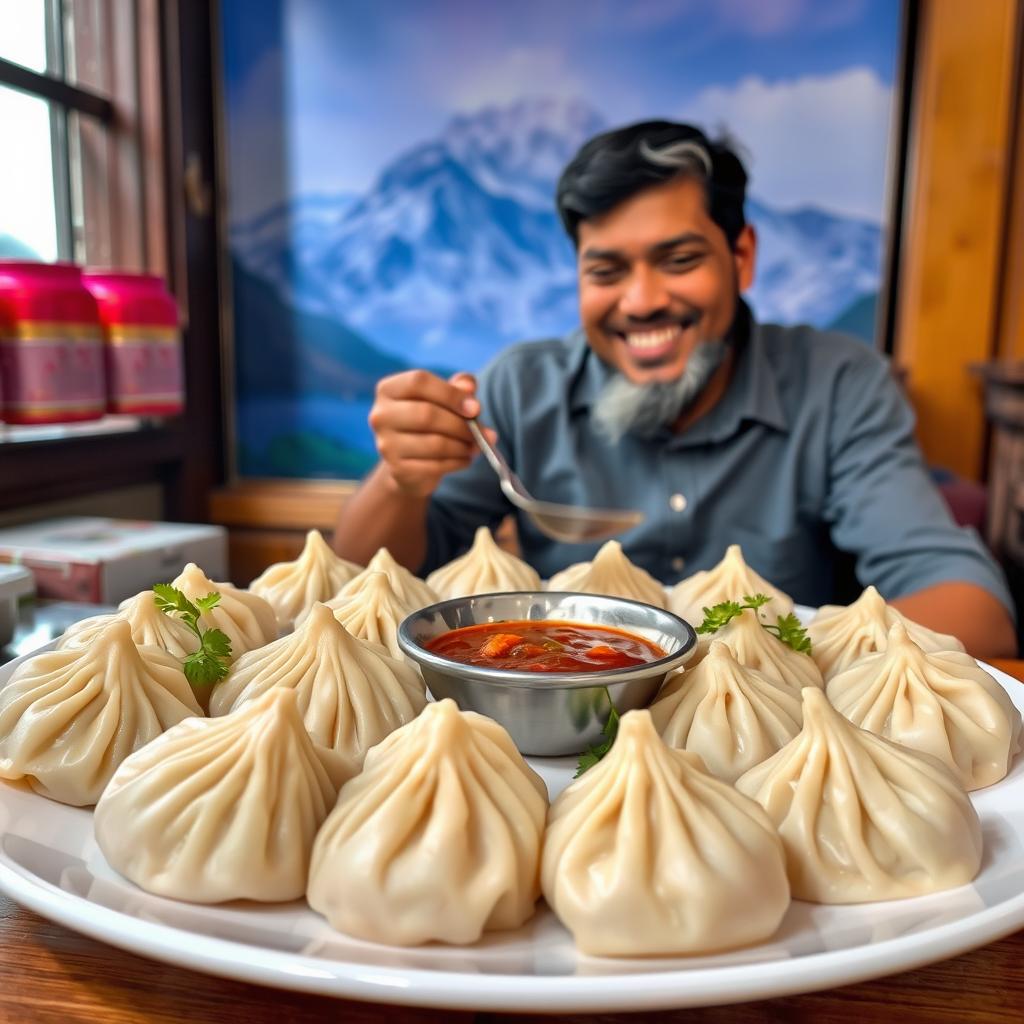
[519,150]
[573,120]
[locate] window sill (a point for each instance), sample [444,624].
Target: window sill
[10,434]
[267,519]
[46,468]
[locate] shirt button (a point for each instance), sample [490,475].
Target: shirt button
[678,563]
[677,502]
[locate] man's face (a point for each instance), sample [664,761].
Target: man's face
[657,277]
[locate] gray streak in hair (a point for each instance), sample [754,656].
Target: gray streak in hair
[677,154]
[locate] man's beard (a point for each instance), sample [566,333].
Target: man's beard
[643,410]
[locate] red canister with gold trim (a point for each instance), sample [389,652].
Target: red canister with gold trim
[143,343]
[51,345]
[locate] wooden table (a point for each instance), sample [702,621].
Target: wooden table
[50,974]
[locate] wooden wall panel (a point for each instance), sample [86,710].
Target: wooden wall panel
[282,504]
[267,520]
[948,302]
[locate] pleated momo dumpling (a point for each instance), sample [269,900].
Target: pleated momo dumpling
[292,588]
[220,808]
[351,692]
[758,649]
[373,612]
[843,634]
[247,619]
[647,854]
[731,580]
[612,573]
[943,703]
[439,838]
[69,718]
[733,716]
[150,627]
[483,569]
[410,589]
[863,818]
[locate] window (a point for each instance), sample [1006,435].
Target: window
[74,80]
[86,132]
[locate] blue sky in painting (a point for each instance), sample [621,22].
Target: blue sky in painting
[305,78]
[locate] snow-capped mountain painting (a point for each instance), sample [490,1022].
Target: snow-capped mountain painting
[449,251]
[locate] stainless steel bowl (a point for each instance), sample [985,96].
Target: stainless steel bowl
[553,713]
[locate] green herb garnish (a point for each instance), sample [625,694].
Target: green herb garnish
[592,755]
[791,632]
[787,628]
[209,663]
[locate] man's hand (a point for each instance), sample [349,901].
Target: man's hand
[419,425]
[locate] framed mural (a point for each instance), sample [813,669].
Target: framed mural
[390,172]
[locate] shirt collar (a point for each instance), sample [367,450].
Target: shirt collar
[752,395]
[753,392]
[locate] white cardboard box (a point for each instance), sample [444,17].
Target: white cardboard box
[103,561]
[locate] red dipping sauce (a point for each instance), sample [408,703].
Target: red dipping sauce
[545,646]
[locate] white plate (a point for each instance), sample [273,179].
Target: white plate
[50,863]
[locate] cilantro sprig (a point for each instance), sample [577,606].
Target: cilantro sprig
[592,755]
[790,630]
[786,628]
[210,663]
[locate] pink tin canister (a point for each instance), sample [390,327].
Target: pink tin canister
[51,345]
[143,343]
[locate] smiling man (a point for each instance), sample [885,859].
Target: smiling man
[794,443]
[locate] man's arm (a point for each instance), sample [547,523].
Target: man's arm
[968,612]
[380,514]
[884,508]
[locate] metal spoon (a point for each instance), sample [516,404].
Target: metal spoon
[568,523]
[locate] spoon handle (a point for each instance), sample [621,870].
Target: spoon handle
[493,456]
[509,482]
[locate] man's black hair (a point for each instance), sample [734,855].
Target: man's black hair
[615,165]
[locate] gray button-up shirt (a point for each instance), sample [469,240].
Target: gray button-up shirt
[808,462]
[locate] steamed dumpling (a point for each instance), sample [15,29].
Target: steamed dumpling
[220,808]
[69,718]
[758,649]
[943,703]
[150,627]
[484,569]
[862,818]
[733,716]
[730,580]
[843,634]
[612,573]
[292,588]
[351,693]
[409,589]
[648,855]
[373,612]
[247,619]
[439,837]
